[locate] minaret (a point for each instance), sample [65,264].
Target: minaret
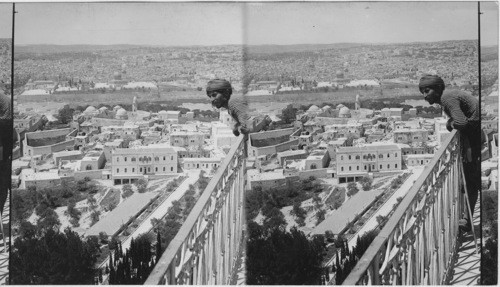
[357,105]
[134,104]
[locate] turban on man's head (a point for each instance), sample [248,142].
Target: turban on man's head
[431,81]
[219,85]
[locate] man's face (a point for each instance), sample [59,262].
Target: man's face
[218,99]
[432,96]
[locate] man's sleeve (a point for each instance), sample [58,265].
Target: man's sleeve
[458,119]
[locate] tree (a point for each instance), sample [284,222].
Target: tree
[352,189]
[320,216]
[127,191]
[65,115]
[103,237]
[141,185]
[366,183]
[284,258]
[53,258]
[289,114]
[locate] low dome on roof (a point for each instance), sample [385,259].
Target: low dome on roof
[121,112]
[339,106]
[116,108]
[327,107]
[103,109]
[313,108]
[90,109]
[344,111]
[162,112]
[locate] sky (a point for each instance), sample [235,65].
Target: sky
[180,24]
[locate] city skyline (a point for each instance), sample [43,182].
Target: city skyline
[211,24]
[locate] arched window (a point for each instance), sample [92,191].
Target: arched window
[341,157]
[380,156]
[388,155]
[88,167]
[125,170]
[349,168]
[349,157]
[125,158]
[313,166]
[358,157]
[342,168]
[133,159]
[395,154]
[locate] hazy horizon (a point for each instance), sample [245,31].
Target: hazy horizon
[216,45]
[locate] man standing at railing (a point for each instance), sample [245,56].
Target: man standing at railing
[220,91]
[464,116]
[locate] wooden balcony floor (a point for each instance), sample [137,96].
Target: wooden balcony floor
[467,266]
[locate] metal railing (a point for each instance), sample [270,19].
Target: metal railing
[207,247]
[419,242]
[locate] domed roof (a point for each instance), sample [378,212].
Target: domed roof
[162,112]
[339,106]
[90,109]
[103,109]
[313,108]
[116,108]
[121,112]
[339,74]
[327,107]
[344,111]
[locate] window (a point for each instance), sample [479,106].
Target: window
[395,154]
[117,159]
[133,159]
[380,166]
[396,165]
[365,167]
[171,157]
[380,156]
[388,166]
[349,168]
[156,169]
[341,157]
[140,170]
[164,157]
[349,157]
[388,156]
[357,167]
[342,168]
[125,159]
[117,170]
[125,170]
[171,168]
[358,157]
[133,169]
[163,168]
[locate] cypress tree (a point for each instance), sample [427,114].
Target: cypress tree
[110,260]
[158,246]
